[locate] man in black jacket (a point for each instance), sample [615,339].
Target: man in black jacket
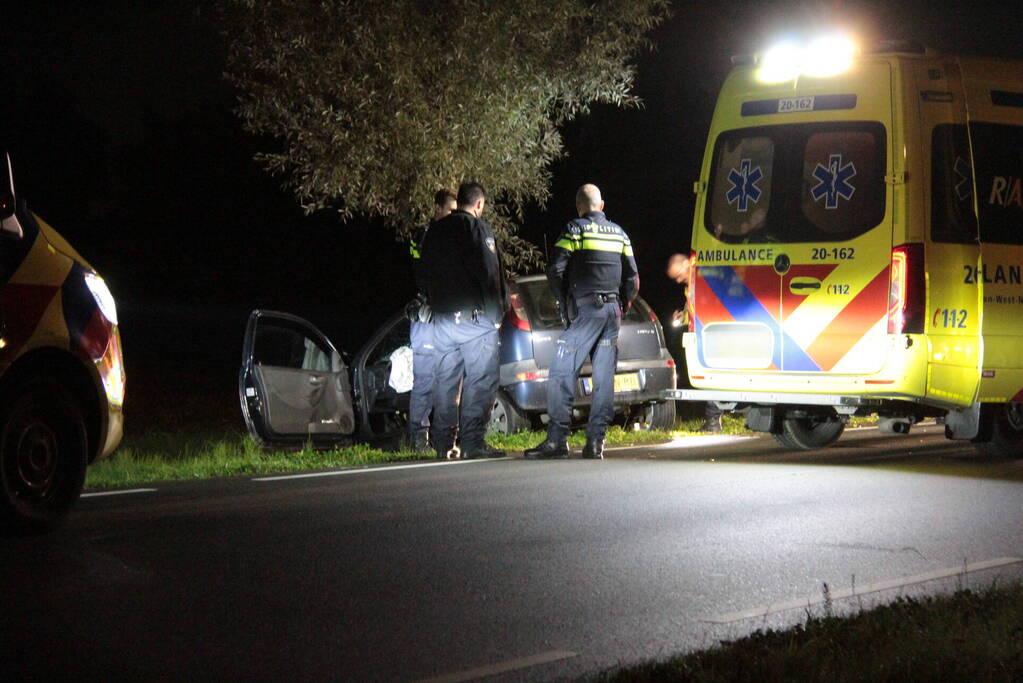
[593,276]
[464,283]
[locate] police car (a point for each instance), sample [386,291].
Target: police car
[858,244]
[61,369]
[296,388]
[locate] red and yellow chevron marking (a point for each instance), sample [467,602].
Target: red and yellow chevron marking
[24,306]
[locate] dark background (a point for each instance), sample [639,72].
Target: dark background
[122,136]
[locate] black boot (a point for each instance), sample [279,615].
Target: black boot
[594,450]
[483,451]
[548,450]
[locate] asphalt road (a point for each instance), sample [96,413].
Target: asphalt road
[516,569]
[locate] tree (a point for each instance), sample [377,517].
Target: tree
[376,105]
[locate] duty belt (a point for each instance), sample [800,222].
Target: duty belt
[605,297]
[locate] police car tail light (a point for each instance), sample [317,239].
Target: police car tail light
[517,315]
[906,293]
[104,299]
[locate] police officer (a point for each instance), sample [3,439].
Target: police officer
[594,277]
[465,285]
[424,358]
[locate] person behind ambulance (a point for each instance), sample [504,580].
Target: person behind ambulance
[465,285]
[593,276]
[679,267]
[424,358]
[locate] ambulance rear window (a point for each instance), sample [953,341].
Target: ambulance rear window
[952,216]
[821,182]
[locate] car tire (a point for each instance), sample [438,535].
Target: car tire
[807,433]
[1006,432]
[43,455]
[659,416]
[505,417]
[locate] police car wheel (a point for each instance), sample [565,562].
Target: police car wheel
[43,455]
[807,433]
[1006,433]
[505,417]
[659,416]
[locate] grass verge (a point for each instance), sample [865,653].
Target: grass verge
[967,636]
[157,456]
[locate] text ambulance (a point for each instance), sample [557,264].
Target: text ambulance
[61,370]
[858,244]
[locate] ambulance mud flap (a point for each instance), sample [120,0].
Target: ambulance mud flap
[965,424]
[762,419]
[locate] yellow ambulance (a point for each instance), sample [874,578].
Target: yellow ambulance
[61,369]
[858,244]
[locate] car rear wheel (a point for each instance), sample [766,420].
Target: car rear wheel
[1006,432]
[43,454]
[809,432]
[659,416]
[505,417]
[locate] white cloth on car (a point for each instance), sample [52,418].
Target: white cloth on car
[401,369]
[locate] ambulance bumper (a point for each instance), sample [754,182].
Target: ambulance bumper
[769,398]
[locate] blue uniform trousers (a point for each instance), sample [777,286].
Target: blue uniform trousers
[594,333]
[467,358]
[424,371]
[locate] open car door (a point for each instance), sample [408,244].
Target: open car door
[382,374]
[293,386]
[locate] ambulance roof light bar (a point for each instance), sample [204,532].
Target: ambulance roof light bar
[821,57]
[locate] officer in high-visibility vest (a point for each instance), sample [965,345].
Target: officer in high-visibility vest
[424,356]
[594,277]
[465,286]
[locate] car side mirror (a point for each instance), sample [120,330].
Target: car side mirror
[8,201]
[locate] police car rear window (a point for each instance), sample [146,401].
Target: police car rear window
[820,182]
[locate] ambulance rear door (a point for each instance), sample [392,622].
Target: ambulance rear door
[994,99]
[793,262]
[952,319]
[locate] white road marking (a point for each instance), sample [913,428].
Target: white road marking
[97,494]
[699,441]
[864,589]
[365,470]
[501,667]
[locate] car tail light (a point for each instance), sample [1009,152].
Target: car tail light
[517,315]
[653,317]
[906,293]
[691,290]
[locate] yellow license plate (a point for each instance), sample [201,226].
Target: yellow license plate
[625,382]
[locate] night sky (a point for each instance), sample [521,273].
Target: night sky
[122,137]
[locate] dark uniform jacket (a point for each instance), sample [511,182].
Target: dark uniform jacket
[461,270]
[593,255]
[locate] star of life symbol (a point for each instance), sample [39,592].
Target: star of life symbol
[744,185]
[964,179]
[833,182]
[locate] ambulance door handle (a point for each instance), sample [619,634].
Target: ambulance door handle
[805,285]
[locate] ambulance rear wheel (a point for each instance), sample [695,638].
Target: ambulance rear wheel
[43,455]
[1006,432]
[807,433]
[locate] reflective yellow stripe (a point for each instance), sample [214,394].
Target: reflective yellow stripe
[603,236]
[569,243]
[604,245]
[628,250]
